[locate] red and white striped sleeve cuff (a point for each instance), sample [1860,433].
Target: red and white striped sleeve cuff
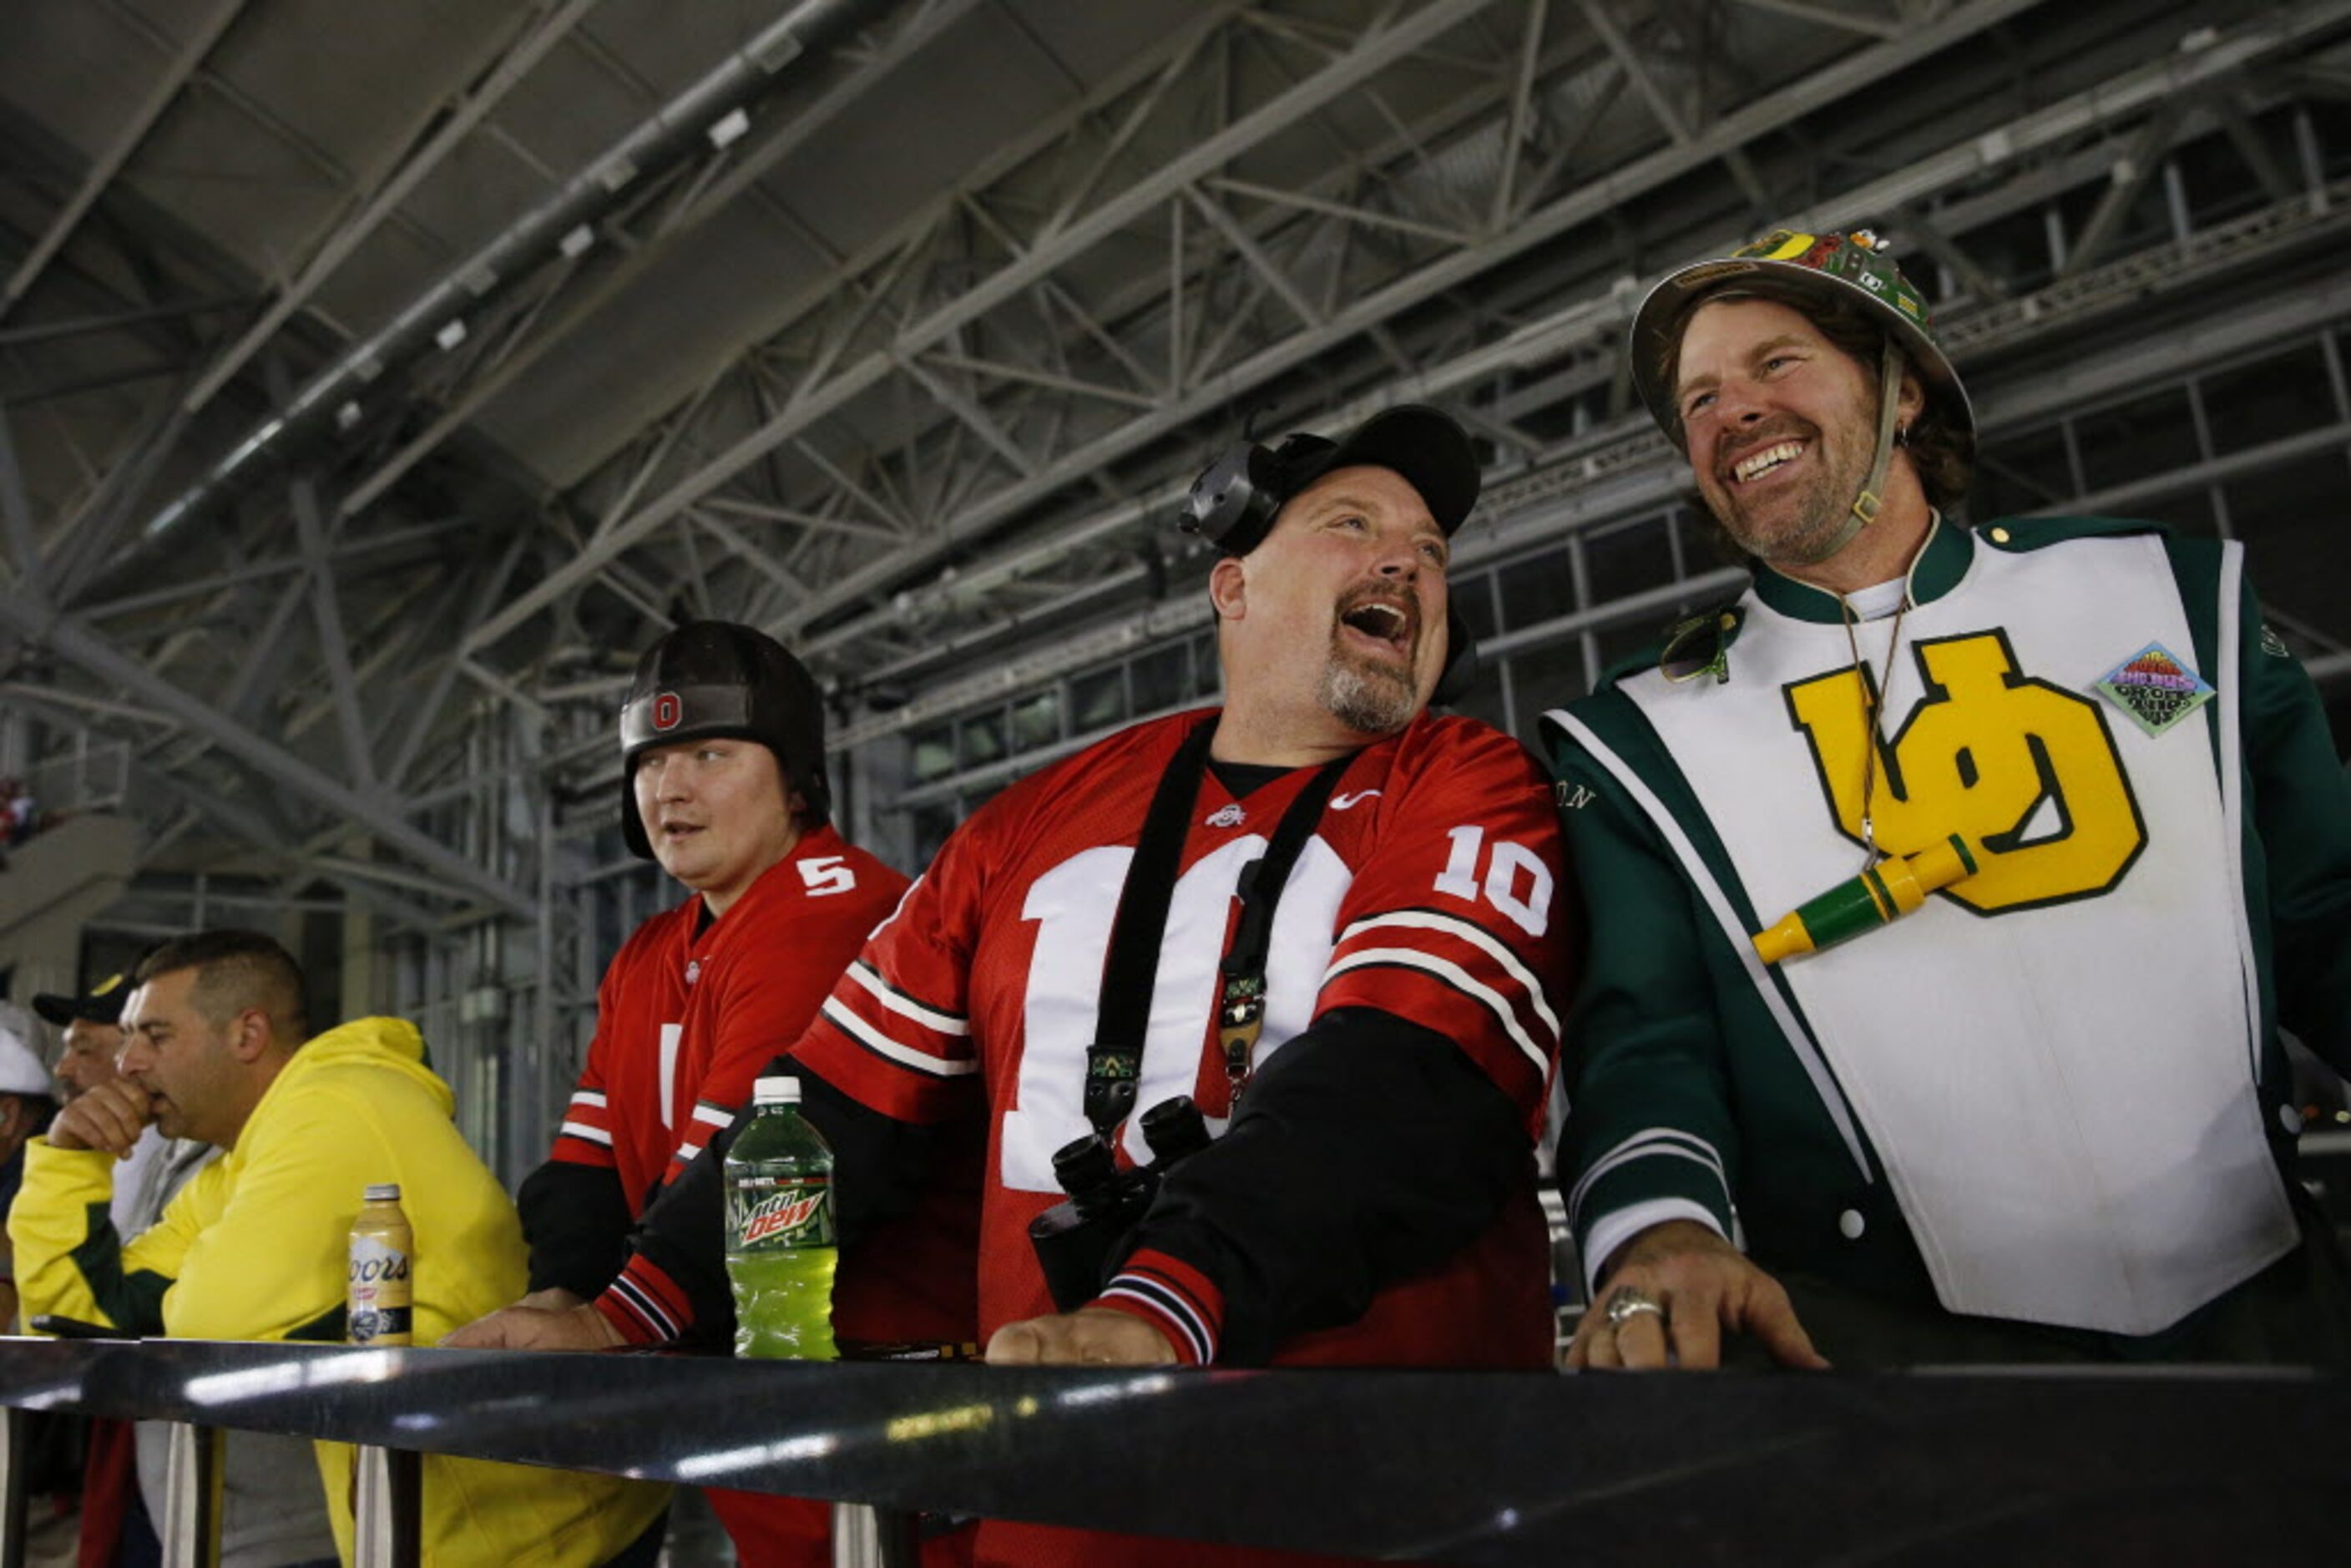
[645,1305]
[1173,1297]
[585,1138]
[709,1118]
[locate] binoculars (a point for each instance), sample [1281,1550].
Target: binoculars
[1078,1240]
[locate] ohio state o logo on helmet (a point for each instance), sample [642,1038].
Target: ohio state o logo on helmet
[667,710]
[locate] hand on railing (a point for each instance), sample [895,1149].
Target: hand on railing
[526,1327]
[1669,1294]
[1092,1336]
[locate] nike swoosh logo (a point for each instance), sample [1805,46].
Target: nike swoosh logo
[1342,802]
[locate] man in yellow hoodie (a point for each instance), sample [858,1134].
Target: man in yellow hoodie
[215,1047]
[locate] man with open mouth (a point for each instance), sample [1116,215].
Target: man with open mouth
[1957,885]
[1328,917]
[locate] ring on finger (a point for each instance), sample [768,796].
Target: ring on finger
[1629,1302]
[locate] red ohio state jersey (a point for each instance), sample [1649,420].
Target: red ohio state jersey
[685,1017]
[1429,890]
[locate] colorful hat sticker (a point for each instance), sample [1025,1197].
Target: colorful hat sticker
[2157,688]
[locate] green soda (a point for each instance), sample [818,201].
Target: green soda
[780,1249]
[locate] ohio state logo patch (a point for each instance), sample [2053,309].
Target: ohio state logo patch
[2157,688]
[667,710]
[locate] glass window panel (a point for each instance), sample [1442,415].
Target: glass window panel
[1628,558]
[1705,547]
[1098,700]
[2132,441]
[981,738]
[1484,696]
[1162,678]
[931,825]
[2291,518]
[934,750]
[1536,589]
[1618,643]
[1037,720]
[2021,475]
[1544,678]
[1206,674]
[1472,598]
[2259,402]
[2189,510]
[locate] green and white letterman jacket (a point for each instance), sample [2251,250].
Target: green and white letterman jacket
[2054,1093]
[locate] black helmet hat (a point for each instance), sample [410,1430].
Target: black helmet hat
[713,678]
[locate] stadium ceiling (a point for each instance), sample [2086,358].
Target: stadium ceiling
[378,378]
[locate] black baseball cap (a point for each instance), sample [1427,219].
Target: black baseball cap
[1424,444]
[102,1003]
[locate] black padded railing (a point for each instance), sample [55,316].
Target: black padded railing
[2175,1465]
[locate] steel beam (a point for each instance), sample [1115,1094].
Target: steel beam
[16,514]
[71,639]
[1590,202]
[1375,52]
[1830,16]
[452,128]
[327,622]
[535,235]
[1568,497]
[117,152]
[2132,91]
[746,168]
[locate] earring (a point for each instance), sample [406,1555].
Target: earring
[1901,436]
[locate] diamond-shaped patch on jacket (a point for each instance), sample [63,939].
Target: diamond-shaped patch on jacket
[2157,688]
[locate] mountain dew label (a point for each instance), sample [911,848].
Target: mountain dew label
[781,1212]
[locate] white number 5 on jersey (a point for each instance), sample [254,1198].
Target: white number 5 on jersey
[827,874]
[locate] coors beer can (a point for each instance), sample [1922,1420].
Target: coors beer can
[383,1253]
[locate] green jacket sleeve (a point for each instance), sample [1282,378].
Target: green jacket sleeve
[2300,803]
[1649,1119]
[69,1261]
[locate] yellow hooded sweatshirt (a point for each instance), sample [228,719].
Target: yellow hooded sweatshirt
[254,1247]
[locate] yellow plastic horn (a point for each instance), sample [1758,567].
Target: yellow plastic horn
[1878,896]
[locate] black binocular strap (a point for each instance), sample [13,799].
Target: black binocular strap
[1130,970]
[1240,997]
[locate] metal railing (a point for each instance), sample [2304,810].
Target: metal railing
[2081,1466]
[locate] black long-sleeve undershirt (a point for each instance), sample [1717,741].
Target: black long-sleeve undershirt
[1367,1150]
[576,1219]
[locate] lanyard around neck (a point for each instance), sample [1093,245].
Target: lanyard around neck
[1114,1060]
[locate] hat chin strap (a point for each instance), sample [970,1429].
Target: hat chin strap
[1866,506]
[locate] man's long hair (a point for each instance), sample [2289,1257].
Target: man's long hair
[1943,454]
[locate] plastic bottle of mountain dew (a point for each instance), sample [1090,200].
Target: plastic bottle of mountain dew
[780,1249]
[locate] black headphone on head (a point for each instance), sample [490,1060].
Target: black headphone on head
[1233,503]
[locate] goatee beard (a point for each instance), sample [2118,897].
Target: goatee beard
[1367,699]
